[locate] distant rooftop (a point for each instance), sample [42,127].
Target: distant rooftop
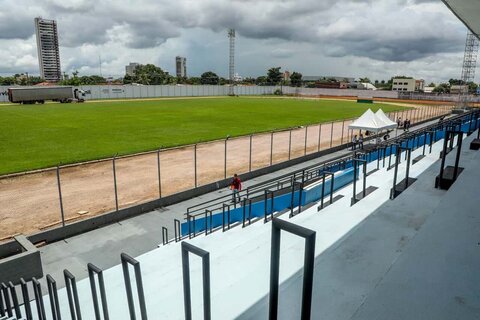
[316,78]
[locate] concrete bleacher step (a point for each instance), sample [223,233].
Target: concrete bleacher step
[418,159]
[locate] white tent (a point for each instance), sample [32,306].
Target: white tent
[389,124]
[373,122]
[367,121]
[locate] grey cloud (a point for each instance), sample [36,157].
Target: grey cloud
[378,30]
[16,28]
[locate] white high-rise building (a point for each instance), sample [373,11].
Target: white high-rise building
[181,66]
[130,69]
[47,48]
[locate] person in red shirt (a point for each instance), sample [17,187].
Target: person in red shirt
[236,187]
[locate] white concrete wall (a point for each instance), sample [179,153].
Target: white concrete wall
[129,91]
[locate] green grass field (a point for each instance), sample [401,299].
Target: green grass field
[39,136]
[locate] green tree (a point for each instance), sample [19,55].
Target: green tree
[455,82]
[274,76]
[472,87]
[249,80]
[432,84]
[193,80]
[92,80]
[7,81]
[296,79]
[73,81]
[128,79]
[261,81]
[365,80]
[181,80]
[442,88]
[149,74]
[34,80]
[209,77]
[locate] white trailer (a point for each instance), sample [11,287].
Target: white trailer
[30,95]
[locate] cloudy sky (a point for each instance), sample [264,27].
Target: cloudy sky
[374,38]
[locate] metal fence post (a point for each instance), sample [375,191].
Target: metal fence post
[159,175]
[290,144]
[271,148]
[115,182]
[60,196]
[195,162]
[331,135]
[250,156]
[225,161]
[306,135]
[343,127]
[319,135]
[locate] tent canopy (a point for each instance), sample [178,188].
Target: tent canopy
[373,122]
[389,124]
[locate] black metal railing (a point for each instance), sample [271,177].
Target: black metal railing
[205,256]
[311,174]
[92,271]
[308,266]
[126,261]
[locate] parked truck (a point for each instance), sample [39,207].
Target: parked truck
[31,95]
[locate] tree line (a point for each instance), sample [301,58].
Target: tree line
[149,74]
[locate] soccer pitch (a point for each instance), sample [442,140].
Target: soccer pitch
[39,136]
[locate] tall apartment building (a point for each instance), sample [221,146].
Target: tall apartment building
[181,66]
[130,69]
[47,48]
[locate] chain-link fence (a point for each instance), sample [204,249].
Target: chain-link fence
[50,198]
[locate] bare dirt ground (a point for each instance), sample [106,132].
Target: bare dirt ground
[31,202]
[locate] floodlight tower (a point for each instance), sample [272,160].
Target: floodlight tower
[469,66]
[231,69]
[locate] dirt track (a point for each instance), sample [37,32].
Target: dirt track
[30,202]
